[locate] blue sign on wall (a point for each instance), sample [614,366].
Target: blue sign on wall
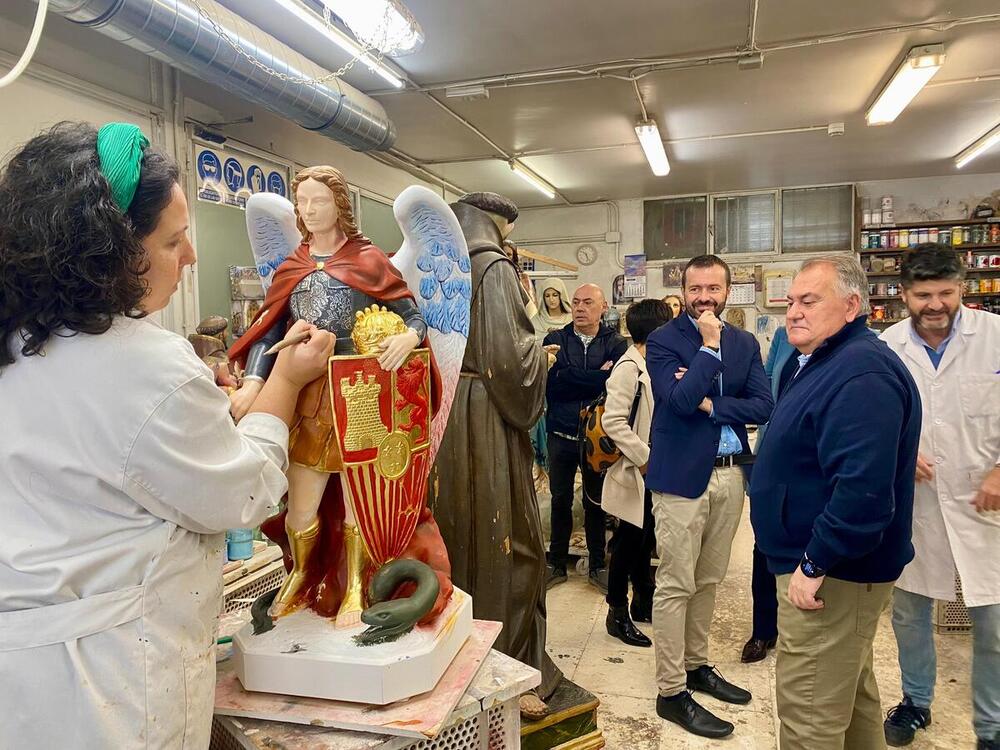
[255,179]
[276,184]
[233,174]
[209,166]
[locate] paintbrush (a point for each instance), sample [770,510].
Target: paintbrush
[290,341]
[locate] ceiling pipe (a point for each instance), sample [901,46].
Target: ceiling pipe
[198,37]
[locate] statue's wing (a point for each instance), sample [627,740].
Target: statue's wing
[272,231]
[434,260]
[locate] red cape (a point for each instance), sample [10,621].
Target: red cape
[359,264]
[366,268]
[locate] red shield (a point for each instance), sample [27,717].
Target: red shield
[383,421]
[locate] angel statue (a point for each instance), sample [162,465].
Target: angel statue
[374,423]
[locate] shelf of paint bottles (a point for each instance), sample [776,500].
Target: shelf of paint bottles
[892,310]
[889,263]
[976,236]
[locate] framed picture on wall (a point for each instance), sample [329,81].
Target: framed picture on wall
[672,274]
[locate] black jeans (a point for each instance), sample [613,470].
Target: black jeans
[631,552]
[765,599]
[564,461]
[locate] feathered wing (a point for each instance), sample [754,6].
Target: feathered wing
[434,260]
[272,231]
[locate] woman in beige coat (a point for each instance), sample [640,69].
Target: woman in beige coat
[628,414]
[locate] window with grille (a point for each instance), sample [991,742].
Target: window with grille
[674,228]
[743,224]
[816,220]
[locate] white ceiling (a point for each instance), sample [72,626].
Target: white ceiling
[798,87]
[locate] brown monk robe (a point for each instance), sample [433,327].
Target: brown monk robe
[481,489]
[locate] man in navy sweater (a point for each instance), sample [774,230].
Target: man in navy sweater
[587,350]
[831,501]
[708,384]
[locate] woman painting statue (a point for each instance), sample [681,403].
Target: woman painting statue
[335,273]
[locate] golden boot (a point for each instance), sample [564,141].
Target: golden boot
[302,544]
[351,607]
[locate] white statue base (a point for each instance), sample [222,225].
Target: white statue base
[306,655]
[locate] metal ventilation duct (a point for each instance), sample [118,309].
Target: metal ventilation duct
[176,33]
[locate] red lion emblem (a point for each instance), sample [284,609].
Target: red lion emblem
[412,386]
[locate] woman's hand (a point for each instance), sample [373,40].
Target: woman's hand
[242,399]
[302,363]
[395,349]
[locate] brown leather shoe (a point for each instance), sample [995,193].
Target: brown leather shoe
[756,650]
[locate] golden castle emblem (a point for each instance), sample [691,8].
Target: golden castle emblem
[365,428]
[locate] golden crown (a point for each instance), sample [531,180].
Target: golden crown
[372,326]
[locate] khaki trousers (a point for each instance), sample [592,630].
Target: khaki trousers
[693,539]
[827,695]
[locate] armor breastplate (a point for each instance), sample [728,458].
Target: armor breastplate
[330,304]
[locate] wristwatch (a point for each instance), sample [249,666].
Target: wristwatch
[811,569]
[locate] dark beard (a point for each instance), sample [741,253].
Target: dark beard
[918,321]
[695,314]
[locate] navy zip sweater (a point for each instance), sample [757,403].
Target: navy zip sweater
[576,378]
[834,479]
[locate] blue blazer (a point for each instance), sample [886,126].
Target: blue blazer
[684,441]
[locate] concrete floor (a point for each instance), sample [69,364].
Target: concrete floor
[623,676]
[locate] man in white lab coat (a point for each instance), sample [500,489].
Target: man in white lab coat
[953,353]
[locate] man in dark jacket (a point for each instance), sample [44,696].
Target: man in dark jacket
[587,352]
[708,384]
[831,501]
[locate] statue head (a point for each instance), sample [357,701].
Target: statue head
[327,207]
[500,209]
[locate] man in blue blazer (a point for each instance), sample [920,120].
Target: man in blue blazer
[708,384]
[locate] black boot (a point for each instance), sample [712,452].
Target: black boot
[620,626]
[641,608]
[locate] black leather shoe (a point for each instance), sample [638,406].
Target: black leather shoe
[641,607]
[756,650]
[684,711]
[620,626]
[708,680]
[903,721]
[556,575]
[599,580]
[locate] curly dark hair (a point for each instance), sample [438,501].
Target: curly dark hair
[70,260]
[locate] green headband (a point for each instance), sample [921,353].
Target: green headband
[119,150]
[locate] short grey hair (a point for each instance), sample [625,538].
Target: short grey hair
[851,278]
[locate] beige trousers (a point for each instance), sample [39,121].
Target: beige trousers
[693,539]
[827,695]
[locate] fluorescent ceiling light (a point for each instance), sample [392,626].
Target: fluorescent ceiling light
[652,145]
[341,39]
[538,184]
[386,25]
[984,144]
[914,72]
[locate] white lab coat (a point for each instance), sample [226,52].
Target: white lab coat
[960,434]
[120,469]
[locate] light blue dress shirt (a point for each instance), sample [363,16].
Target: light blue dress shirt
[729,443]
